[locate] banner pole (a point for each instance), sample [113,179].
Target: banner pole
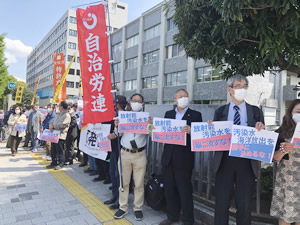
[115,94]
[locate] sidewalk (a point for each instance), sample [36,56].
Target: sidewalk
[31,194]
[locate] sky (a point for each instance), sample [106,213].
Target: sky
[26,22]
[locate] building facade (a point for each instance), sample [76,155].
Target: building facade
[62,38]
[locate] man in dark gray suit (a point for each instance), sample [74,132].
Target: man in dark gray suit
[236,175]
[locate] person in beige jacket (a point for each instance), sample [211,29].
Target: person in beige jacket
[60,122]
[16,130]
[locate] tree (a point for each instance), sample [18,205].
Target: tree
[3,69]
[250,36]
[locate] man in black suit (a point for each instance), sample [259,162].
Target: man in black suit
[236,175]
[178,163]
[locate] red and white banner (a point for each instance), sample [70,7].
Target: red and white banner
[94,64]
[59,70]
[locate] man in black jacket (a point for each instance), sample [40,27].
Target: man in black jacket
[178,163]
[236,175]
[71,135]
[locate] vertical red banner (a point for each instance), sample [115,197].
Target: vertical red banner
[58,72]
[94,64]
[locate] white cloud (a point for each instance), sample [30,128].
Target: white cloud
[20,79]
[15,49]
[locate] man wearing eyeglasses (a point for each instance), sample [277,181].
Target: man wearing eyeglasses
[236,176]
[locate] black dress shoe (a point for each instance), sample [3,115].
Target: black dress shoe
[50,166]
[98,179]
[114,206]
[93,173]
[107,181]
[110,201]
[88,170]
[82,165]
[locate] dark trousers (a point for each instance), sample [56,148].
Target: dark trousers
[58,153]
[15,141]
[114,174]
[235,176]
[27,138]
[2,133]
[102,168]
[34,139]
[179,194]
[69,149]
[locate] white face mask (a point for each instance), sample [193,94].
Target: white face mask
[49,110]
[17,111]
[136,106]
[183,102]
[296,117]
[57,110]
[240,94]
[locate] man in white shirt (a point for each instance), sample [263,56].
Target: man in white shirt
[134,160]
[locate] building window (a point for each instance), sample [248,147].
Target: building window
[152,32]
[174,79]
[70,84]
[171,24]
[78,72]
[150,82]
[117,48]
[132,41]
[151,57]
[73,19]
[70,58]
[71,45]
[117,67]
[209,73]
[77,84]
[175,50]
[131,63]
[118,85]
[130,85]
[78,59]
[73,33]
[72,71]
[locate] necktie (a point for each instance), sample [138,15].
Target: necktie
[237,116]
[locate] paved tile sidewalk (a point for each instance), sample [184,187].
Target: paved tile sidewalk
[29,194]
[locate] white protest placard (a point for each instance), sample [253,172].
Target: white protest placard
[1,116]
[90,141]
[47,135]
[214,137]
[169,131]
[296,136]
[247,142]
[133,122]
[80,105]
[20,127]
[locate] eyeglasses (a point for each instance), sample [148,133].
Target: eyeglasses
[240,87]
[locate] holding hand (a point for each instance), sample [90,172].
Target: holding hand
[259,126]
[111,136]
[117,121]
[186,129]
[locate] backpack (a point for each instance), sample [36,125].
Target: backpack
[154,193]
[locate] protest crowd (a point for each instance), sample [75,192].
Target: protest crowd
[121,142]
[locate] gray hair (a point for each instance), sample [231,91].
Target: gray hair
[237,77]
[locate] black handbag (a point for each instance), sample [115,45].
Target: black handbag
[154,193]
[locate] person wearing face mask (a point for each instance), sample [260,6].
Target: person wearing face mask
[71,135]
[34,126]
[45,125]
[236,176]
[133,153]
[61,122]
[16,136]
[286,194]
[177,165]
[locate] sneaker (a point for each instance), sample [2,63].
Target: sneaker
[57,167]
[138,215]
[44,157]
[34,150]
[50,166]
[49,158]
[120,214]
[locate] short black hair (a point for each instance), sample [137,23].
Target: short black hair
[75,105]
[64,104]
[121,100]
[137,94]
[182,89]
